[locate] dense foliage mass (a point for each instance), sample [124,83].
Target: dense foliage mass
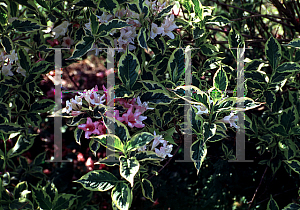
[160,129]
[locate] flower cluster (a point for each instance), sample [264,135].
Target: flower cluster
[7,62]
[231,119]
[164,150]
[132,117]
[128,34]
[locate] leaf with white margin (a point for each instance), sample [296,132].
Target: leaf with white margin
[129,168]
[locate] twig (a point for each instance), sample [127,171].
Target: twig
[257,188]
[71,78]
[277,195]
[253,41]
[270,17]
[254,13]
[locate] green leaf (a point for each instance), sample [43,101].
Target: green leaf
[198,32]
[106,28]
[219,21]
[129,168]
[23,163]
[273,52]
[4,109]
[63,201]
[21,146]
[7,44]
[18,190]
[278,129]
[85,197]
[294,43]
[24,26]
[128,70]
[116,127]
[198,153]
[156,97]
[161,44]
[34,119]
[289,118]
[272,205]
[294,165]
[198,9]
[9,128]
[40,68]
[147,189]
[24,59]
[288,67]
[82,47]
[209,49]
[77,134]
[110,141]
[209,130]
[176,65]
[21,203]
[42,106]
[164,12]
[220,80]
[122,92]
[94,23]
[152,85]
[109,6]
[292,206]
[142,38]
[86,3]
[98,180]
[3,15]
[270,97]
[40,159]
[43,3]
[235,40]
[122,196]
[42,198]
[147,155]
[139,140]
[133,7]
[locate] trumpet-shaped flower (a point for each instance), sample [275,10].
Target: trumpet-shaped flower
[67,42]
[22,71]
[61,29]
[76,103]
[155,30]
[157,140]
[90,127]
[68,107]
[13,56]
[231,119]
[168,25]
[142,107]
[105,17]
[6,70]
[164,151]
[132,119]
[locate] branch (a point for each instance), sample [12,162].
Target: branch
[270,17]
[257,188]
[277,195]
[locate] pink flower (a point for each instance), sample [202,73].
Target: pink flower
[67,42]
[80,157]
[90,127]
[89,164]
[133,119]
[76,113]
